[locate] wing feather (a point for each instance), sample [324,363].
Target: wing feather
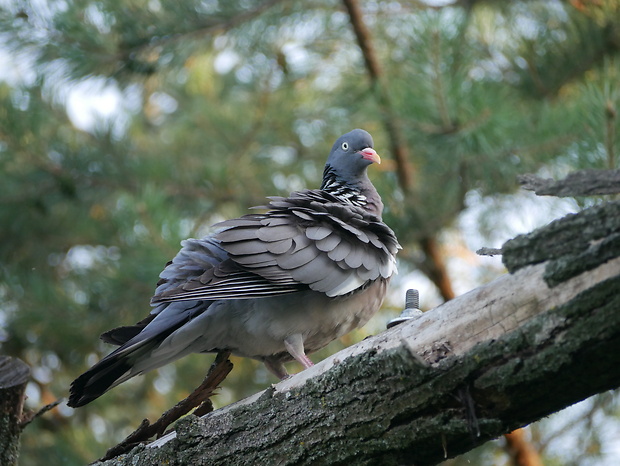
[309,240]
[318,232]
[341,251]
[276,233]
[298,258]
[328,243]
[280,247]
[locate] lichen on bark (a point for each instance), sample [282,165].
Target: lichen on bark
[572,244]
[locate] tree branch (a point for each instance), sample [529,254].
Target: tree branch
[579,183]
[14,375]
[198,399]
[27,418]
[436,267]
[398,146]
[520,449]
[479,366]
[397,142]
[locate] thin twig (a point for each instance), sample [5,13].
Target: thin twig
[206,29]
[218,371]
[464,396]
[489,251]
[28,418]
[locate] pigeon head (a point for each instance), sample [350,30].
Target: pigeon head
[351,154]
[345,174]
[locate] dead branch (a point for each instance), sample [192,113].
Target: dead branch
[198,399]
[579,183]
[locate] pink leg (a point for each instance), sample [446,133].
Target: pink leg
[295,346]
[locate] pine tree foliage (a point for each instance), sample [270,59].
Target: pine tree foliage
[221,103]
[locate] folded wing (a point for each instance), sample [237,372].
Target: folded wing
[308,240]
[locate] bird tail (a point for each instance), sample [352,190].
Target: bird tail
[112,370]
[136,355]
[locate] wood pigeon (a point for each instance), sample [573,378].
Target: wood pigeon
[272,286]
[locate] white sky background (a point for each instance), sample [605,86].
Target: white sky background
[92,102]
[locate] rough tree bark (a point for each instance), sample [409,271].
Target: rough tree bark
[497,358]
[14,375]
[579,183]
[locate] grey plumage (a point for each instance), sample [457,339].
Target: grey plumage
[272,286]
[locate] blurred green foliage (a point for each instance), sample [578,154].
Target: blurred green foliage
[217,104]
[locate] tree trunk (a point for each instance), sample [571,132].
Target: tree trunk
[14,375]
[435,267]
[495,359]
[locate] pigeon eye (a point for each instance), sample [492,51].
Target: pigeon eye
[345,146]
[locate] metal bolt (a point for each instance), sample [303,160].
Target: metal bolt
[412,311]
[412,299]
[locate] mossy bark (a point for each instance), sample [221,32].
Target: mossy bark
[388,408]
[393,402]
[14,375]
[578,183]
[570,245]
